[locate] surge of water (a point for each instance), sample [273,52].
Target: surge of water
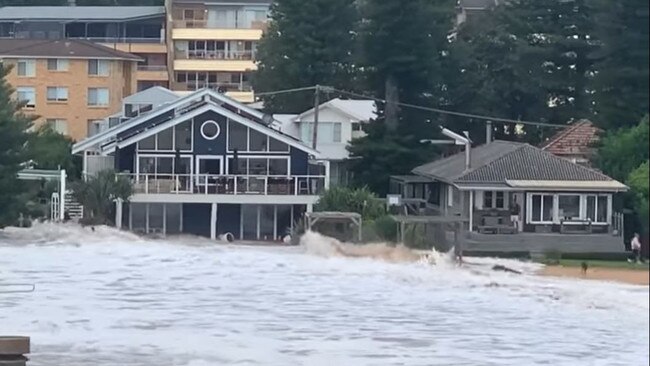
[106,297]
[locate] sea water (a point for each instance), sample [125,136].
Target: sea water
[105,297]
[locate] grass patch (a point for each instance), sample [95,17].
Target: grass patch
[604,264]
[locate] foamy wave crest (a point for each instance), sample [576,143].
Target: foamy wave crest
[48,233]
[317,244]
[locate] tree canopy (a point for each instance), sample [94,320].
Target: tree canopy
[307,43]
[14,135]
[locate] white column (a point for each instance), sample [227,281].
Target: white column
[610,208]
[471,210]
[213,222]
[310,207]
[62,195]
[327,174]
[118,213]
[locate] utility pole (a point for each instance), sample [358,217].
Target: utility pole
[316,107]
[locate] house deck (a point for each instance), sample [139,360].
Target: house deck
[541,243]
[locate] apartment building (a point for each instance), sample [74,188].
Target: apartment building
[213,44]
[68,84]
[139,30]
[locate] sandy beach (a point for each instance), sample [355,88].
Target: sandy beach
[630,276]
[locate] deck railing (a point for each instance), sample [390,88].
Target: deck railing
[295,185]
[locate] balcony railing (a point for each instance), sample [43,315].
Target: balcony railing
[152,67]
[215,55]
[122,39]
[201,23]
[206,184]
[222,87]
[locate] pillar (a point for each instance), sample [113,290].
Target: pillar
[471,210]
[118,213]
[213,222]
[327,174]
[310,207]
[62,190]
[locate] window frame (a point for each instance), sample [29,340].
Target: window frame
[57,98]
[248,142]
[97,105]
[541,221]
[33,91]
[30,64]
[173,128]
[99,62]
[58,62]
[54,122]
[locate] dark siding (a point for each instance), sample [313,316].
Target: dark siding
[196,218]
[299,162]
[210,147]
[228,219]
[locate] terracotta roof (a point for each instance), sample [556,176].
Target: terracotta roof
[577,139]
[60,48]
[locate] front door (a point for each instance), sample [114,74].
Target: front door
[207,168]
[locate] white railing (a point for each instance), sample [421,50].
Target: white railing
[216,55]
[295,185]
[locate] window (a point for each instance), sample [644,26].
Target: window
[494,199]
[237,137]
[164,165]
[98,96]
[96,126]
[542,208]
[98,67]
[569,206]
[27,95]
[337,133]
[174,138]
[277,146]
[57,94]
[210,130]
[356,127]
[597,207]
[134,110]
[58,125]
[183,136]
[259,166]
[258,141]
[26,68]
[57,64]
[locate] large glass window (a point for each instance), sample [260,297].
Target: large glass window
[258,166]
[166,139]
[258,141]
[597,208]
[183,136]
[542,208]
[277,146]
[174,138]
[164,165]
[98,96]
[237,137]
[569,206]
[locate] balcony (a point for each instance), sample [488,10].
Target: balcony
[232,185]
[134,45]
[225,65]
[215,55]
[221,86]
[192,33]
[122,39]
[152,73]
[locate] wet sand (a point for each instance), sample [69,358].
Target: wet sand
[629,276]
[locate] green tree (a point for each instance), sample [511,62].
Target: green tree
[51,150]
[525,59]
[638,182]
[621,85]
[403,47]
[624,150]
[98,194]
[14,135]
[307,43]
[345,199]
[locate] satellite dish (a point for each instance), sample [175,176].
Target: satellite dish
[267,119]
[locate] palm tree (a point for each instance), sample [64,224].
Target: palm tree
[98,195]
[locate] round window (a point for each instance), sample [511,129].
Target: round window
[210,130]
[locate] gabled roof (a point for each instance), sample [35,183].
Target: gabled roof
[60,48]
[360,110]
[511,164]
[80,13]
[576,139]
[179,111]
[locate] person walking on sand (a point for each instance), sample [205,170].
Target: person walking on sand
[636,248]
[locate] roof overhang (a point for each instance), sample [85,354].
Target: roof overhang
[563,185]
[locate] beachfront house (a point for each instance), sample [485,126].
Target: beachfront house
[207,165]
[516,193]
[339,122]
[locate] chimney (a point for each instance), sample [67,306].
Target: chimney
[460,140]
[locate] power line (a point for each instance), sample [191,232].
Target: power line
[453,113]
[285,91]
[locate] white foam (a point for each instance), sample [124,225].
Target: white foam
[112,298]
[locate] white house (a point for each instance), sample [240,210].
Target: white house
[339,122]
